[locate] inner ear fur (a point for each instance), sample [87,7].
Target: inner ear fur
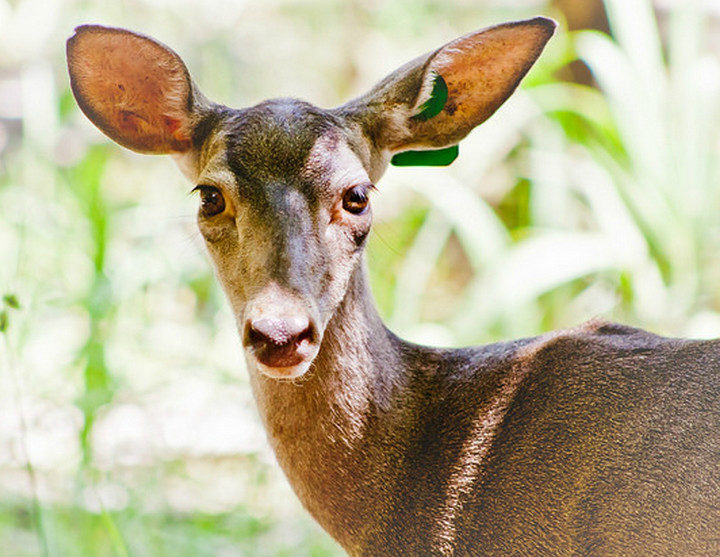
[135,89]
[481,70]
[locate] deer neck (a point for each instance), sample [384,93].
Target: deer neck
[342,434]
[324,428]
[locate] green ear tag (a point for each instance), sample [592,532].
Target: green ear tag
[429,109]
[434,105]
[438,157]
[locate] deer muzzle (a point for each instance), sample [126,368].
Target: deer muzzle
[280,335]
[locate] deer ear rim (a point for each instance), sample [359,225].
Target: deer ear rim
[136,90]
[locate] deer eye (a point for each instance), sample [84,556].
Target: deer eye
[212,201]
[356,200]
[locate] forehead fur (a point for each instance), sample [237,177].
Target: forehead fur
[272,140]
[333,160]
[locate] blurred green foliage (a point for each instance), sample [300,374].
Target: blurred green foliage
[126,424]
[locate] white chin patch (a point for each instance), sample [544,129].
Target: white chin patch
[292,372]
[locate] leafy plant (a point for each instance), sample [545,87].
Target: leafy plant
[619,207]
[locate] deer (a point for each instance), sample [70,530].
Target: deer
[598,440]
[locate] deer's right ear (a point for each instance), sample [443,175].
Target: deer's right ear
[135,89]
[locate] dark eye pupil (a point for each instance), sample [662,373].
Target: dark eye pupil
[355,200]
[212,201]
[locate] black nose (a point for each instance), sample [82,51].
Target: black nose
[280,342]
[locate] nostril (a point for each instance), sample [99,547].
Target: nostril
[278,331]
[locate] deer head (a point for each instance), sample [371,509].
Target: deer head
[285,186]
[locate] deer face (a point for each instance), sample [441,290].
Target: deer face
[285,213]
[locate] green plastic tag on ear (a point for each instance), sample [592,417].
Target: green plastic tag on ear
[429,109]
[438,157]
[434,105]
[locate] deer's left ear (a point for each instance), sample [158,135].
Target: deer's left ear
[435,100]
[135,89]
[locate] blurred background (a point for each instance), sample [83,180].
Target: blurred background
[126,422]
